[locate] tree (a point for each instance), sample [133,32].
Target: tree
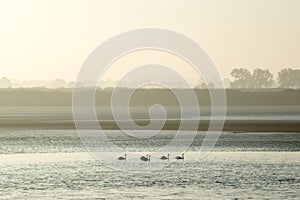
[262,78]
[199,84]
[5,83]
[289,78]
[242,78]
[211,85]
[226,83]
[74,84]
[58,83]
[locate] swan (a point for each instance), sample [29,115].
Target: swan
[145,158]
[122,158]
[180,157]
[165,157]
[149,156]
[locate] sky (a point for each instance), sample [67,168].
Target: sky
[49,39]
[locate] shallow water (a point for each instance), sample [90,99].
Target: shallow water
[54,141]
[52,164]
[221,175]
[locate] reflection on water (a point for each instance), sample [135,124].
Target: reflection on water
[48,164]
[54,141]
[224,175]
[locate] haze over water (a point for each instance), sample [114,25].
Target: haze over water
[236,61]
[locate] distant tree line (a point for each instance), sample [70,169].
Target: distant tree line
[240,78]
[54,84]
[263,78]
[5,83]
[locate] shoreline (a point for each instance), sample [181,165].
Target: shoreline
[229,125]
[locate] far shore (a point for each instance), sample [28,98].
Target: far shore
[229,125]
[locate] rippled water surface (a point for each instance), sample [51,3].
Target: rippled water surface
[238,175]
[43,164]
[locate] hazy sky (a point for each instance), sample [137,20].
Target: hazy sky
[48,39]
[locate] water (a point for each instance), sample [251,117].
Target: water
[51,164]
[56,141]
[104,113]
[223,175]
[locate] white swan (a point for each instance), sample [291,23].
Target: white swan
[122,158]
[180,157]
[145,158]
[165,157]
